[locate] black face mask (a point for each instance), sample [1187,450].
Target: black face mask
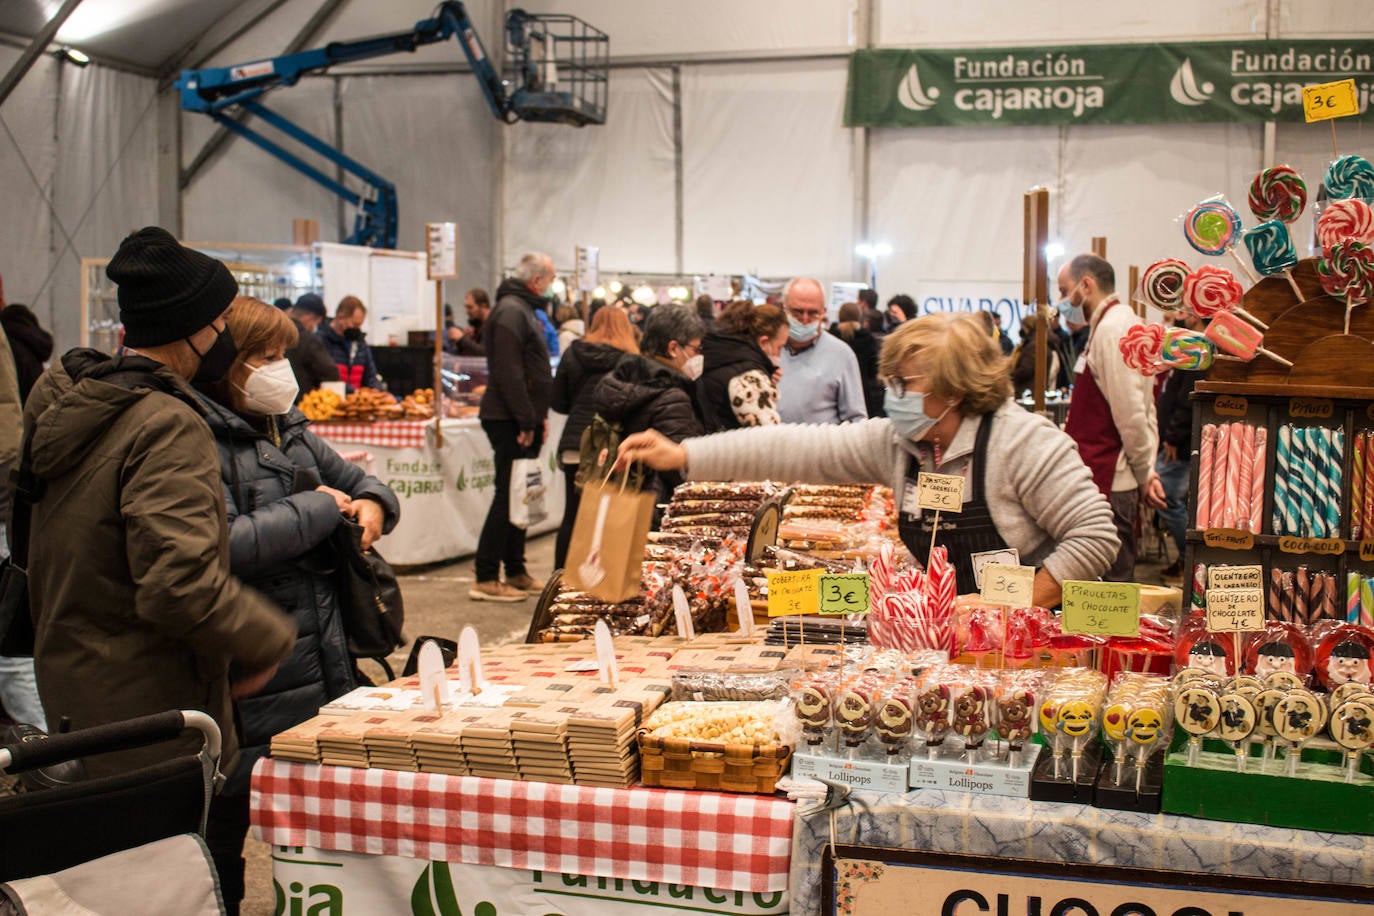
[353,334]
[215,362]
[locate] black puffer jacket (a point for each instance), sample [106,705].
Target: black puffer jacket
[30,344]
[725,356]
[641,393]
[1175,410]
[517,359]
[275,545]
[579,371]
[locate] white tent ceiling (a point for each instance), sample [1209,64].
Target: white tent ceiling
[724,149]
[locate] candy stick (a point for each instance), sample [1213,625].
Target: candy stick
[1308,468]
[1335,454]
[1300,587]
[1257,480]
[1245,469]
[1275,593]
[1330,605]
[1206,455]
[1218,510]
[1199,586]
[1285,511]
[1366,602]
[1230,486]
[1353,583]
[1368,482]
[1357,487]
[1289,599]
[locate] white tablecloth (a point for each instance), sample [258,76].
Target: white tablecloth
[445,492]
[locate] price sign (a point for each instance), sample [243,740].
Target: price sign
[1009,585]
[441,246]
[941,492]
[588,267]
[1102,608]
[1235,610]
[1330,100]
[1235,577]
[846,593]
[1008,557]
[794,593]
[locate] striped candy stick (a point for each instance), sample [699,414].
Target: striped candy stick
[1206,454]
[1257,480]
[1287,485]
[1219,477]
[1305,458]
[1301,586]
[1230,486]
[1352,597]
[1199,597]
[1368,483]
[1275,593]
[1335,456]
[1357,487]
[1244,464]
[1314,444]
[1366,602]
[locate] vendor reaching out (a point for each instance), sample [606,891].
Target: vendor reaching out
[949,410]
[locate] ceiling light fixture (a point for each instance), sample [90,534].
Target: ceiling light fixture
[72,55]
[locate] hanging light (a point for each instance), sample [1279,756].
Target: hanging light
[72,55]
[645,296]
[599,293]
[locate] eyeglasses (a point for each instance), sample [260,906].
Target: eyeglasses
[691,349]
[898,384]
[807,317]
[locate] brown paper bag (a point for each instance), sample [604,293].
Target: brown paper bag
[608,538]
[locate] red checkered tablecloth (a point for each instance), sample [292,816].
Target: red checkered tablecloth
[384,433]
[703,839]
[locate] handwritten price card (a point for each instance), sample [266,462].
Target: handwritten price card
[844,594]
[1009,585]
[1102,608]
[791,594]
[941,492]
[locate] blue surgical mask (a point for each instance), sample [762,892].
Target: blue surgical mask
[800,331]
[1072,313]
[908,414]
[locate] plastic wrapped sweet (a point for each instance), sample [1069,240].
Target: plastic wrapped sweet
[972,716]
[1345,221]
[1278,193]
[1161,284]
[701,685]
[1212,227]
[896,716]
[1135,719]
[1278,647]
[1352,727]
[724,723]
[1344,655]
[1197,710]
[1350,176]
[813,696]
[1346,270]
[1237,722]
[1070,714]
[1297,718]
[855,701]
[1140,347]
[1271,248]
[932,716]
[1237,338]
[1188,350]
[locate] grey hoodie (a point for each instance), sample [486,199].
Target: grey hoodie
[1041,495]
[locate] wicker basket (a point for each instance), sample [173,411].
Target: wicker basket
[677,763]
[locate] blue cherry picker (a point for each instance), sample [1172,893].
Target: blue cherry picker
[555,72]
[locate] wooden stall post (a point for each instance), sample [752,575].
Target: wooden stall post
[1133,280]
[442,250]
[1035,282]
[1099,246]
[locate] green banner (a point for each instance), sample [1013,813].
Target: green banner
[1100,84]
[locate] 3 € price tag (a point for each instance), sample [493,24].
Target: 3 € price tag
[1009,585]
[1102,608]
[1330,100]
[941,492]
[846,593]
[794,593]
[1235,610]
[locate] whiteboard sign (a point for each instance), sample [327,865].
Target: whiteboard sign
[441,241]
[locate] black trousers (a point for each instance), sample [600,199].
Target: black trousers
[572,498]
[225,830]
[501,543]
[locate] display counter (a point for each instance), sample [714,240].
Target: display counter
[378,840]
[445,491]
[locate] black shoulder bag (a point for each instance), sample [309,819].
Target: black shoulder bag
[369,596]
[16,622]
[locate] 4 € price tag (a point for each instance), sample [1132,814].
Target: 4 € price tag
[1008,585]
[1330,100]
[940,492]
[846,593]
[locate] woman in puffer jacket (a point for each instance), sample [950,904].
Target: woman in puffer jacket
[285,492]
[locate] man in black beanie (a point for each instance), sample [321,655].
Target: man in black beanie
[309,359]
[133,607]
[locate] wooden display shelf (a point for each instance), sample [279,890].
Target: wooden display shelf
[1269,391]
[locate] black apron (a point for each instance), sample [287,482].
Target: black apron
[964,534]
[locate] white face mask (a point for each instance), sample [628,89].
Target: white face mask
[271,388]
[692,368]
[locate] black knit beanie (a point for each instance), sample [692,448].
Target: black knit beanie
[167,292]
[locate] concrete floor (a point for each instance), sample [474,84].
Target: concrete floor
[437,604]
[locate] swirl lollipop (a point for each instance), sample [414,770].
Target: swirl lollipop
[1161,284]
[1185,349]
[1140,347]
[1278,193]
[1209,291]
[1345,220]
[1350,176]
[1213,228]
[1347,271]
[1271,249]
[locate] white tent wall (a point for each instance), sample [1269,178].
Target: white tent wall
[610,186]
[28,141]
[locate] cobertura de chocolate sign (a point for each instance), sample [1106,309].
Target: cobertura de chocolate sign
[1100,84]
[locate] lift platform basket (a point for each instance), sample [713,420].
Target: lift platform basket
[558,68]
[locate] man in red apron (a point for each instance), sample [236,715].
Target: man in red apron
[1112,412]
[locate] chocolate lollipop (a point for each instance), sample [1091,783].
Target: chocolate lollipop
[1197,711]
[1347,691]
[1145,729]
[896,717]
[854,713]
[1236,725]
[932,717]
[1278,647]
[1265,701]
[813,709]
[1014,724]
[1077,721]
[971,719]
[1283,680]
[1352,727]
[1297,717]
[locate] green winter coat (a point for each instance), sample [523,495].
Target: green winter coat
[134,609]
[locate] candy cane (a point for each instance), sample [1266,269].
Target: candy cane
[1206,455]
[1257,480]
[1218,510]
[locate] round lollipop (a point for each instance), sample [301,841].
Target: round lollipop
[1278,647]
[1352,727]
[1346,271]
[1345,655]
[1344,220]
[1237,724]
[1161,284]
[1140,347]
[1198,711]
[1265,701]
[1278,193]
[1208,291]
[1271,250]
[1213,228]
[1297,717]
[1185,349]
[1350,176]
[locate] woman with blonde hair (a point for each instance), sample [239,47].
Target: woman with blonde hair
[584,364]
[949,410]
[286,492]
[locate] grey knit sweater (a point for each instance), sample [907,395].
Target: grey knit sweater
[1041,495]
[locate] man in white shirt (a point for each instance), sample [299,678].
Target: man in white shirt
[1112,412]
[820,376]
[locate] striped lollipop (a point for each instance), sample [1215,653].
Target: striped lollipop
[1140,347]
[1212,227]
[1185,349]
[1278,193]
[1209,291]
[1350,176]
[1161,284]
[1347,271]
[1345,220]
[1271,251]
